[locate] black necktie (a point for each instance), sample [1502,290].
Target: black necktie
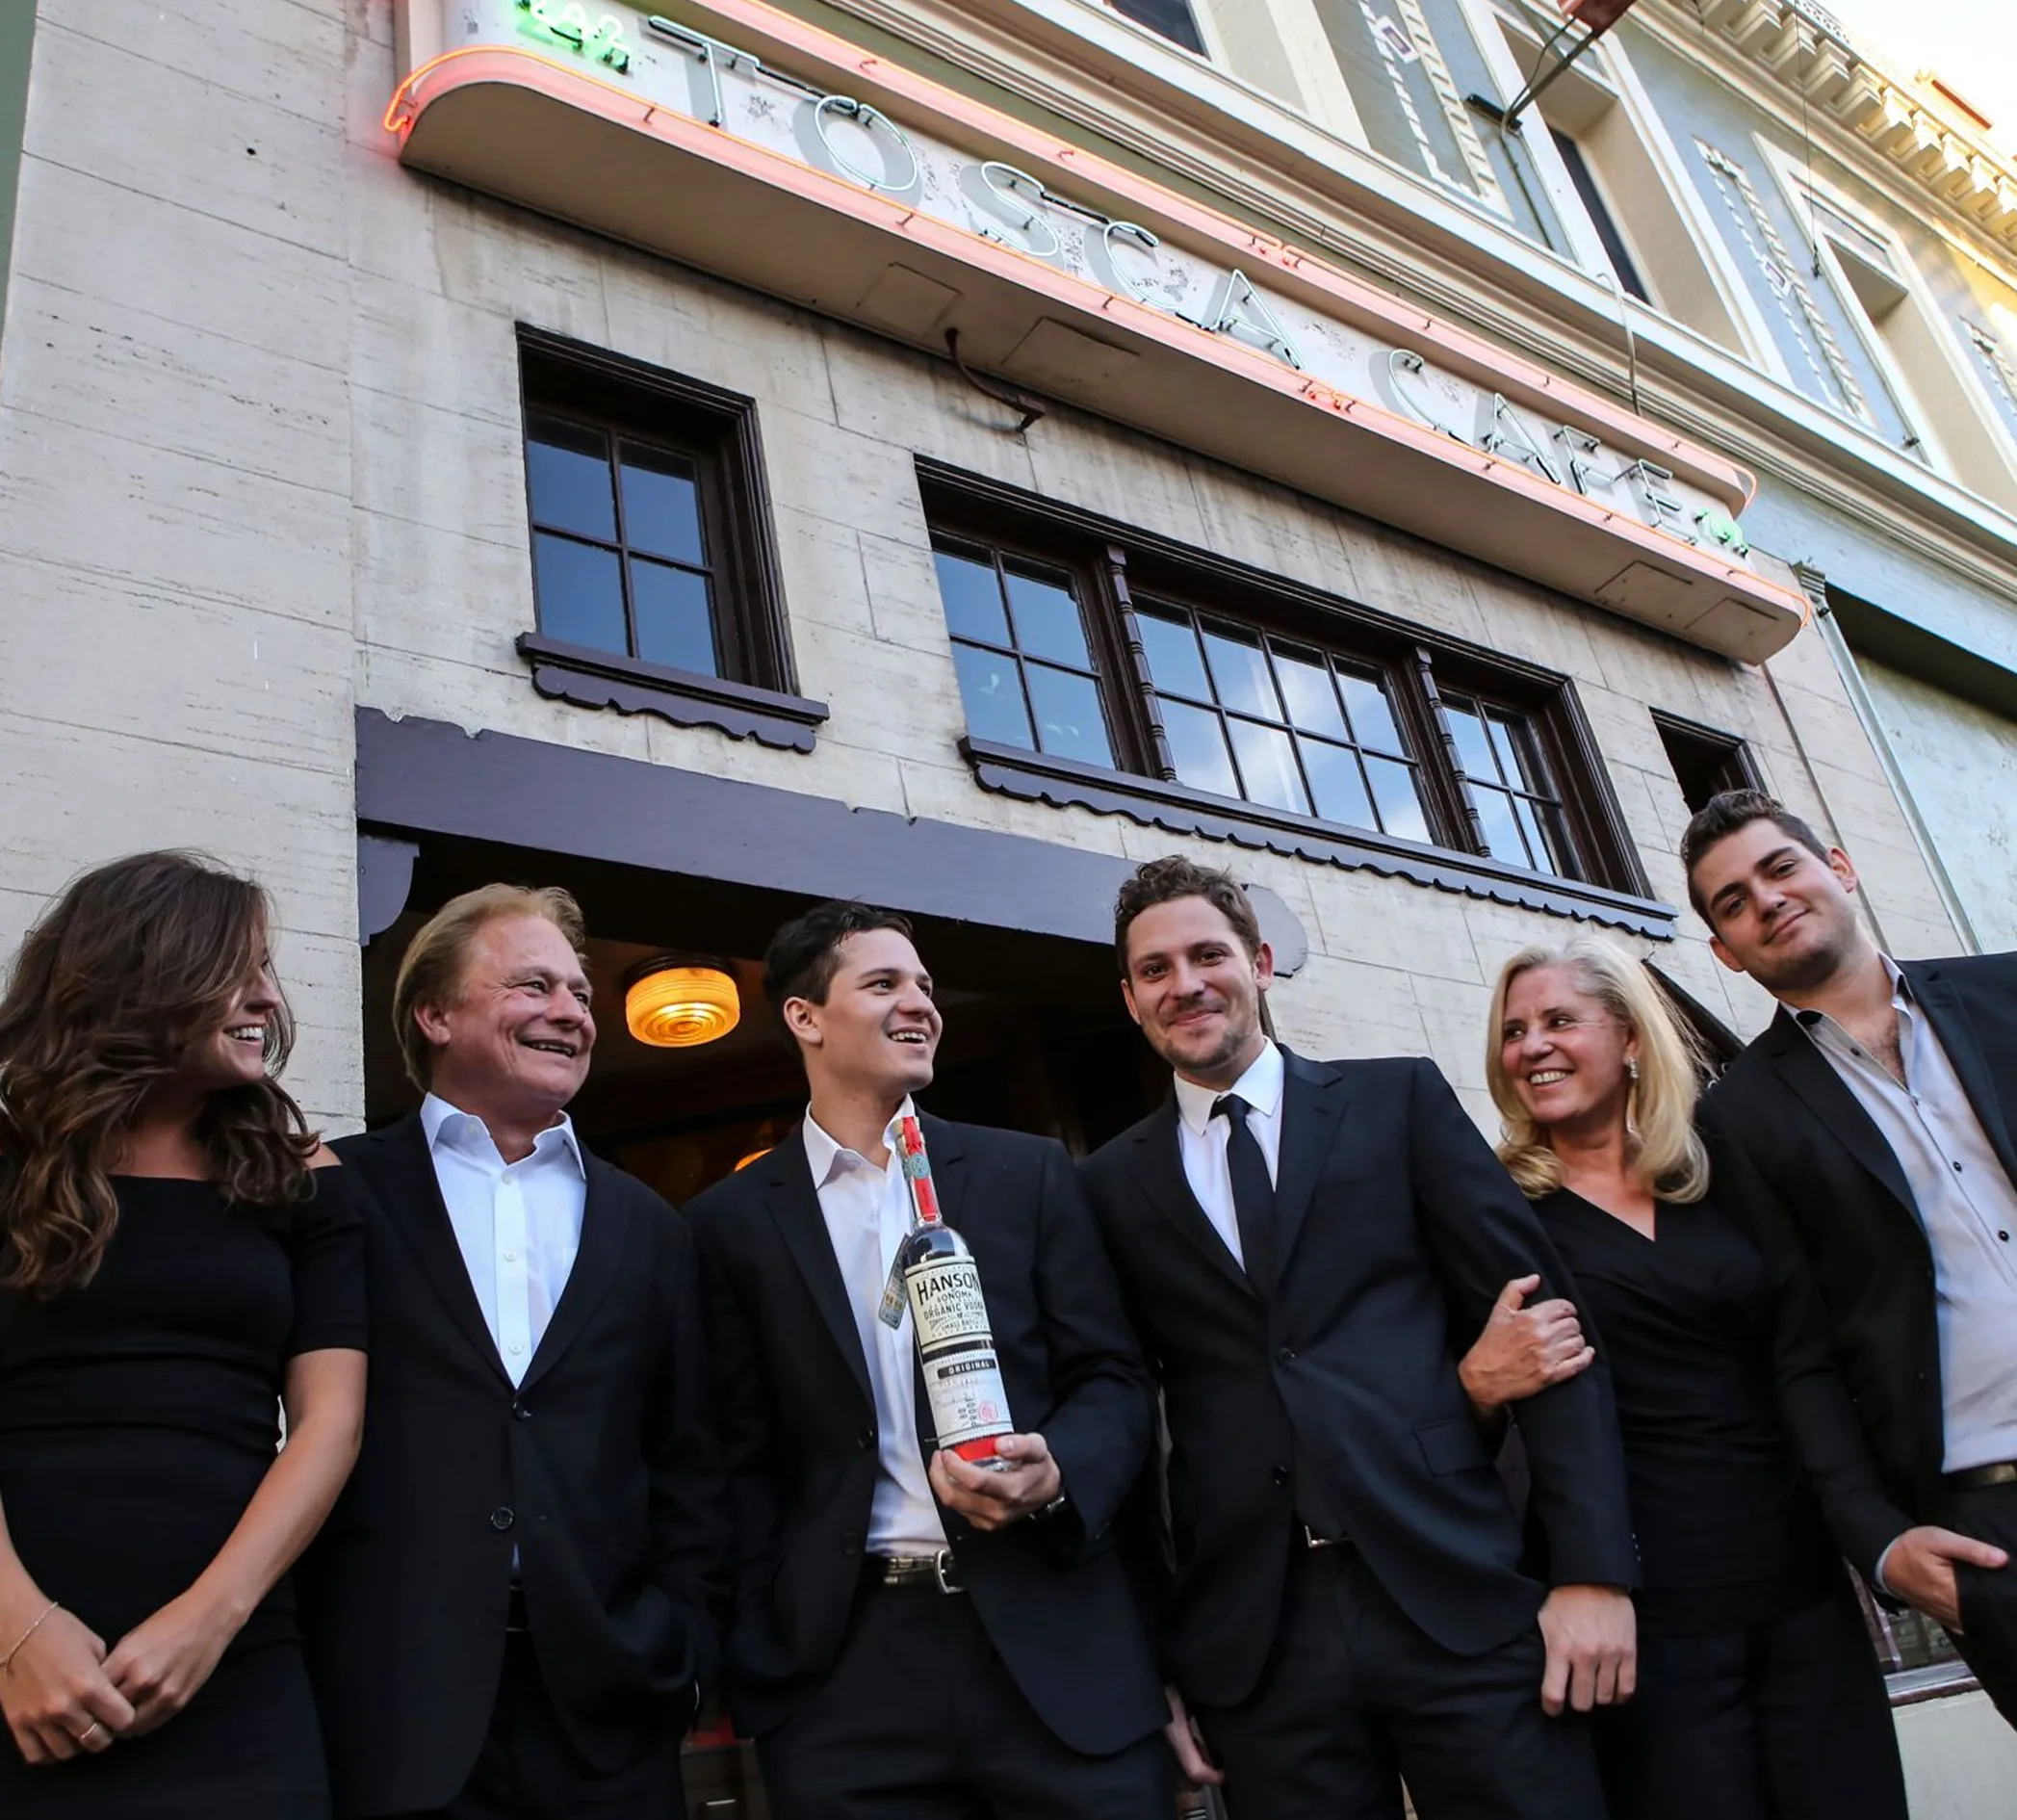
[1252,1191]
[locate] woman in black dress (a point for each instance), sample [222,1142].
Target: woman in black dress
[1758,1693]
[175,1262]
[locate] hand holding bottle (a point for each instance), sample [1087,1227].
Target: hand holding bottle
[992,1498]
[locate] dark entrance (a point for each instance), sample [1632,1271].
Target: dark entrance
[1036,1038]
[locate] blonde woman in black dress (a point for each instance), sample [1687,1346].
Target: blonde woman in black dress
[1759,1696]
[176,1261]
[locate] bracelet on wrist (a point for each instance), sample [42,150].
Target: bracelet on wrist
[6,1661]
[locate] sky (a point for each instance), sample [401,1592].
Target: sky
[1970,45]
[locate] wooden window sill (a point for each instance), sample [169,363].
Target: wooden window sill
[605,679]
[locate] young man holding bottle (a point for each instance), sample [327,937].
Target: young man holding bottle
[915,1633]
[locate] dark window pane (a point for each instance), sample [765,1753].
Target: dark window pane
[1047,618]
[1268,767]
[578,590]
[1070,722]
[972,598]
[1198,748]
[1502,833]
[1473,744]
[662,504]
[1600,217]
[1310,699]
[1174,661]
[1340,789]
[1400,802]
[675,624]
[1546,855]
[1372,715]
[1171,17]
[1241,672]
[992,692]
[567,469]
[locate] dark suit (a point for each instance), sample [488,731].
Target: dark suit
[1047,1595]
[1799,1157]
[1395,1229]
[599,1470]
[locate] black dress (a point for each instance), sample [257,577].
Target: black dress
[1759,1696]
[137,1417]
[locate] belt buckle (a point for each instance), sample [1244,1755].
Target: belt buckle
[1311,1540]
[943,1565]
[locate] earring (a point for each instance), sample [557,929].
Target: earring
[1632,1098]
[1632,1069]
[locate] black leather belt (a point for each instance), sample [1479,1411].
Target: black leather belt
[1975,1478]
[939,1571]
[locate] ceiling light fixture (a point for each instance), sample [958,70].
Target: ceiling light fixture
[673,1003]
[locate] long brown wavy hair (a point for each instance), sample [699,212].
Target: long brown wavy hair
[134,963]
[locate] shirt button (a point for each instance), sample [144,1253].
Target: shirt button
[511,1257]
[1957,1168]
[2004,1236]
[502,1518]
[517,1347]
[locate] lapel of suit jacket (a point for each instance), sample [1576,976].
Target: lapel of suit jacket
[1808,1072]
[1159,1173]
[1955,1029]
[794,1204]
[416,1212]
[606,1224]
[1313,1099]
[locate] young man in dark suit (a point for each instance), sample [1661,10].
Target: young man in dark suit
[913,1635]
[1308,1249]
[1868,1135]
[513,1606]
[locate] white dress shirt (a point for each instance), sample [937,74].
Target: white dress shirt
[518,1225]
[1202,1139]
[1968,1207]
[867,1212]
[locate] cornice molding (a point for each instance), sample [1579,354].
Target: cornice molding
[1803,60]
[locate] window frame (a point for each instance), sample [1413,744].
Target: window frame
[1112,564]
[755,697]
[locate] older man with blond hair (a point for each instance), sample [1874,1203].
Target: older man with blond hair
[512,1609]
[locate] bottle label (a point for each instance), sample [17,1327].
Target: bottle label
[962,1375]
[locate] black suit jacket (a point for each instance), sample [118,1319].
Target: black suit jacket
[1798,1155]
[799,1428]
[1397,1230]
[599,1469]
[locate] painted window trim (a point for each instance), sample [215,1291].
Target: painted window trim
[961,504]
[1177,809]
[762,703]
[590,678]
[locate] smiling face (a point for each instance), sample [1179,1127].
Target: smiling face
[1195,990]
[234,1054]
[513,1046]
[877,1032]
[1564,1053]
[1776,911]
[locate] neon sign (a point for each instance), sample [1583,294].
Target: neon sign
[548,21]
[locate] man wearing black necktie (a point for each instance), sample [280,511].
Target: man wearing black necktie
[912,1636]
[1308,1249]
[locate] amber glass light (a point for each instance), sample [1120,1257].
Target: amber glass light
[672,1007]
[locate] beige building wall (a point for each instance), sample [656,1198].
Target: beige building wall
[261,427]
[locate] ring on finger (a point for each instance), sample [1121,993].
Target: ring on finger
[95,1726]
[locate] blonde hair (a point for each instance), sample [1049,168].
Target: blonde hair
[430,971]
[1662,1142]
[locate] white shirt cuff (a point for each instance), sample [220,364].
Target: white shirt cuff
[1884,1585]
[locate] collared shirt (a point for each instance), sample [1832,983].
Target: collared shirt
[1202,1139]
[518,1225]
[867,1210]
[1968,1208]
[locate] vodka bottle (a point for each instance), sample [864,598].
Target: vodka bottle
[941,1282]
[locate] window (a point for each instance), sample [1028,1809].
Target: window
[1172,18]
[1600,217]
[1020,643]
[1124,673]
[1705,763]
[653,568]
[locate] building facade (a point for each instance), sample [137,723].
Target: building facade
[949,452]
